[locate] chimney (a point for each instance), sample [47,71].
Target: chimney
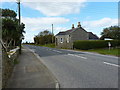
[79,24]
[72,26]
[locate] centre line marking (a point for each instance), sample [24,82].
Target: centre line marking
[77,56]
[57,51]
[111,64]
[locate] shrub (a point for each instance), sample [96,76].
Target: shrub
[93,44]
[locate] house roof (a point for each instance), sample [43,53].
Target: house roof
[67,32]
[61,33]
[92,36]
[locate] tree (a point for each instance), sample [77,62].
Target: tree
[11,31]
[44,37]
[45,32]
[7,13]
[112,32]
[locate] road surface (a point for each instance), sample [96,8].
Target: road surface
[75,69]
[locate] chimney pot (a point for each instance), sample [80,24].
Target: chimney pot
[79,24]
[72,26]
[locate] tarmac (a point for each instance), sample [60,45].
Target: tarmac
[30,72]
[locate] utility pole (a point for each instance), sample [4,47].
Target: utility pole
[52,34]
[19,24]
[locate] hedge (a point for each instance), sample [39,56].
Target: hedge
[93,44]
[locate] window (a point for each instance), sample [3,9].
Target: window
[67,40]
[61,40]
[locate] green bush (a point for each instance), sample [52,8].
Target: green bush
[93,44]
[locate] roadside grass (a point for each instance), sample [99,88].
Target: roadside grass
[49,45]
[105,51]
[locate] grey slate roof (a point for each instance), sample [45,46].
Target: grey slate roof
[92,36]
[64,33]
[67,32]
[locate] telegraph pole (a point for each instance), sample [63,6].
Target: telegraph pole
[19,24]
[52,34]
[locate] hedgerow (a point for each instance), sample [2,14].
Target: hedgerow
[93,44]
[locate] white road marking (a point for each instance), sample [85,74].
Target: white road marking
[111,64]
[77,56]
[57,51]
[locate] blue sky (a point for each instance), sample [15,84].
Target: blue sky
[38,16]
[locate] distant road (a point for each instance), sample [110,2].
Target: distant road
[75,69]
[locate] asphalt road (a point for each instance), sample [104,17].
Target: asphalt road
[75,69]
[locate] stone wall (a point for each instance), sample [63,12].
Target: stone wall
[66,41]
[8,59]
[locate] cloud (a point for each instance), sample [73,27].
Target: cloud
[61,0]
[96,26]
[45,20]
[35,25]
[56,8]
[104,22]
[43,0]
[59,29]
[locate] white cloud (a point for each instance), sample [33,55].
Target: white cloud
[43,0]
[34,25]
[61,0]
[97,26]
[45,20]
[59,29]
[56,8]
[104,22]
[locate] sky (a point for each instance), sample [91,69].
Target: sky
[38,15]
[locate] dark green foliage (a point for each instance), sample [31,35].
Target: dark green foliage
[44,37]
[93,44]
[8,13]
[112,32]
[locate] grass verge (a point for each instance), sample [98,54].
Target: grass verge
[113,51]
[49,45]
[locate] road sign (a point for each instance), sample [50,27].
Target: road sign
[109,44]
